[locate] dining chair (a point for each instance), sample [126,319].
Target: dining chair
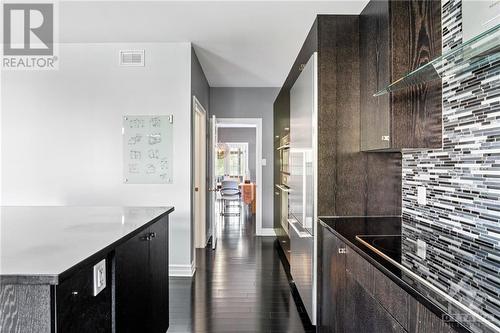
[230,192]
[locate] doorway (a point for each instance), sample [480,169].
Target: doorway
[200,173]
[248,168]
[234,163]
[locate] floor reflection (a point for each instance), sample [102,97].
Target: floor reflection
[239,287]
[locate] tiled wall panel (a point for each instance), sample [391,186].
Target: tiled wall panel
[461,220]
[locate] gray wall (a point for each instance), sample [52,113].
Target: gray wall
[252,103]
[199,83]
[200,89]
[241,135]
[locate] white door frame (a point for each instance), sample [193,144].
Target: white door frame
[200,234]
[257,124]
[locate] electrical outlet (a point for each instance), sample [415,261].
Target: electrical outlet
[99,276]
[421,249]
[422,195]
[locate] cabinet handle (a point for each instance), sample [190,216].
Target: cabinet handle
[342,250]
[149,236]
[74,293]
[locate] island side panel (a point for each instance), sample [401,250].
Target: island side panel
[25,308]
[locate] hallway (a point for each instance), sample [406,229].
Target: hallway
[239,287]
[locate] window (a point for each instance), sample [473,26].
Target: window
[233,160]
[235,163]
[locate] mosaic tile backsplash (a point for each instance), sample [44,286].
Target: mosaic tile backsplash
[460,221]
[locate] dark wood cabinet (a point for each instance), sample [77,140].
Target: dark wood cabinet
[282,115]
[78,310]
[354,296]
[351,182]
[397,37]
[346,296]
[158,290]
[332,297]
[392,297]
[141,278]
[276,171]
[132,283]
[363,313]
[422,320]
[375,74]
[361,304]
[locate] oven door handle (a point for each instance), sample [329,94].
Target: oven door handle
[301,234]
[282,188]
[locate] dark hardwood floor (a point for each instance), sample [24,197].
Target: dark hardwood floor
[240,287]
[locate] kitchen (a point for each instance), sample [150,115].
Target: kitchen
[388,222]
[376,131]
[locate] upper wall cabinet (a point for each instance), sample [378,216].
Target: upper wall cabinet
[397,37]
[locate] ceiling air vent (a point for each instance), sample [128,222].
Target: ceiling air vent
[132,58]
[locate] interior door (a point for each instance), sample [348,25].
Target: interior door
[214,203]
[200,174]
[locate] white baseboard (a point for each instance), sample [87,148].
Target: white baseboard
[182,270]
[266,232]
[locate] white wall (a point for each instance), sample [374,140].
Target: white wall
[61,131]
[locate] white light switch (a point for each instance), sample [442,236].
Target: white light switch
[421,248]
[99,276]
[422,195]
[264,162]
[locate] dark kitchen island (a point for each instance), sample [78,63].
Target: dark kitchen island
[84,269]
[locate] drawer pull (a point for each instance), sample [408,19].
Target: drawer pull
[74,293]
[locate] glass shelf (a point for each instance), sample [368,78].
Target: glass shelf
[475,52]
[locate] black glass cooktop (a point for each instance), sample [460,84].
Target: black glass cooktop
[388,245]
[379,240]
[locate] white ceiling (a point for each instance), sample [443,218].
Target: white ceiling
[239,43]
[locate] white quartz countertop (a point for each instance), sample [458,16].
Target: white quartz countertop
[43,242]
